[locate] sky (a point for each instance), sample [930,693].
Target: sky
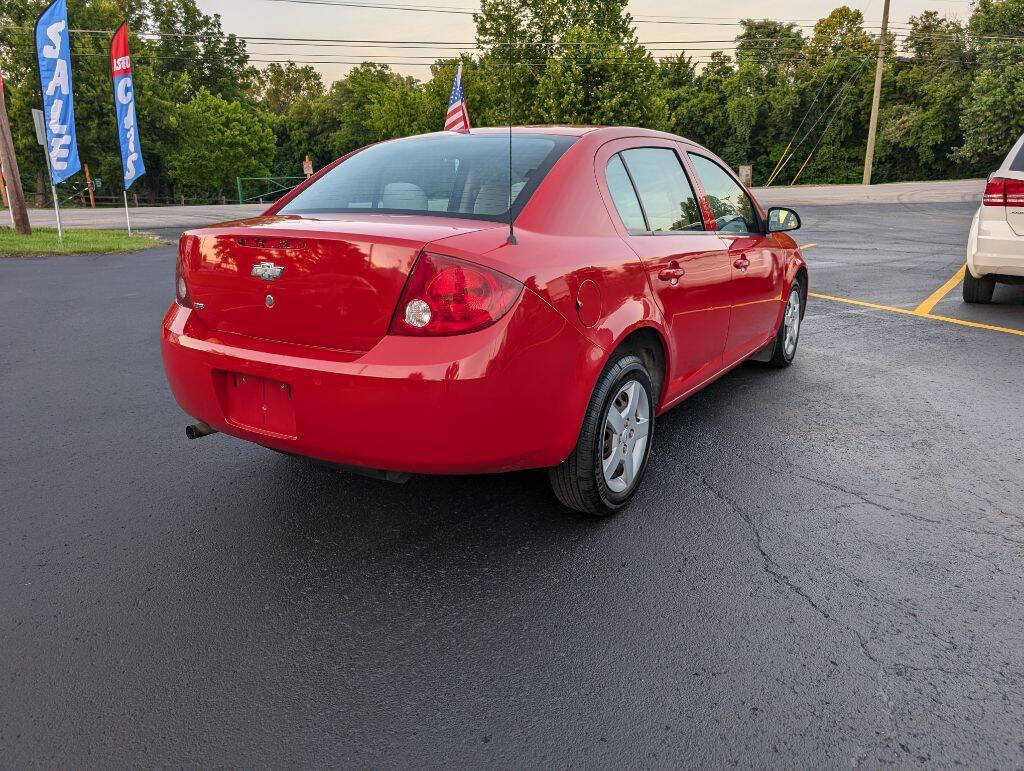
[309,19]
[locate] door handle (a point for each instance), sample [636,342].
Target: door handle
[672,273]
[741,263]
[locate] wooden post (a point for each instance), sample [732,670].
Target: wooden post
[88,184]
[869,155]
[10,163]
[3,194]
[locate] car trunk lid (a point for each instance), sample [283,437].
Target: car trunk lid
[330,281]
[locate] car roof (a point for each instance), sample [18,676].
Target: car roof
[594,135]
[604,132]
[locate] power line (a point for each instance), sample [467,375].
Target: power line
[864,60]
[821,136]
[441,44]
[756,53]
[383,7]
[466,11]
[260,39]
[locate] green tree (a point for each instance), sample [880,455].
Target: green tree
[537,28]
[698,109]
[220,141]
[770,45]
[193,43]
[289,94]
[921,120]
[401,110]
[283,85]
[991,117]
[600,80]
[840,33]
[345,110]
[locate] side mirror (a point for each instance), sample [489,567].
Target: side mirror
[781,219]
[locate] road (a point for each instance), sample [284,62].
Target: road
[824,567]
[144,217]
[156,217]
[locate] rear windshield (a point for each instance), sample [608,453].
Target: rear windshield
[1017,164]
[448,175]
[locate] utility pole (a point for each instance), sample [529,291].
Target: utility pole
[15,194]
[869,156]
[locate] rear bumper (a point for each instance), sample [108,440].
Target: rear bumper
[993,248]
[511,396]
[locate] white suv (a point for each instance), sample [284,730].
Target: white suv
[995,248]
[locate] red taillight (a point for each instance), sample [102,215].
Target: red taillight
[995,192]
[181,293]
[445,296]
[1015,192]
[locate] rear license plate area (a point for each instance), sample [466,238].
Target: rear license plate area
[260,403]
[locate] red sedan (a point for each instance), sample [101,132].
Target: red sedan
[440,305]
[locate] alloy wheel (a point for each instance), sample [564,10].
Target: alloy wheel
[791,321]
[626,431]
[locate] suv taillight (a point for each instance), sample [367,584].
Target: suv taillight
[1003,191]
[1015,192]
[995,192]
[445,296]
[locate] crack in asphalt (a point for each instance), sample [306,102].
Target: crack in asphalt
[882,694]
[796,471]
[771,567]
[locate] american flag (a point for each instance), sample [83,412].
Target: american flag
[457,118]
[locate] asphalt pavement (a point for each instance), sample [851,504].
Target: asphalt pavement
[824,567]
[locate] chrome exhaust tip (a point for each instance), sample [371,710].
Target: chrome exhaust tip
[199,430]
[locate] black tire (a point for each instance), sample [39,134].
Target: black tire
[579,481]
[978,290]
[780,357]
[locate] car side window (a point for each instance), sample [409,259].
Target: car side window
[624,196]
[732,208]
[665,192]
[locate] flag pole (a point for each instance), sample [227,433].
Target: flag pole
[126,217]
[56,208]
[56,203]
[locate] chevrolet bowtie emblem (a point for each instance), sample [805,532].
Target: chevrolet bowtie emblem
[268,271]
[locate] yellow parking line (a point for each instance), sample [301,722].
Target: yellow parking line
[848,301]
[905,312]
[805,246]
[925,308]
[975,324]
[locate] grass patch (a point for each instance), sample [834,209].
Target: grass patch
[43,242]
